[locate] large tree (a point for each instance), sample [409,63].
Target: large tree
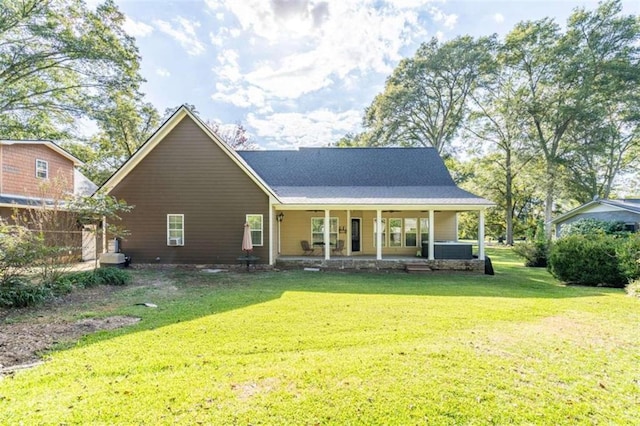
[425,99]
[59,60]
[498,126]
[124,125]
[563,77]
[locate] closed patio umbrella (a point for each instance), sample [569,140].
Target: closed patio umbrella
[247,245]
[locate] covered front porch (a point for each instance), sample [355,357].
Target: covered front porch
[408,235]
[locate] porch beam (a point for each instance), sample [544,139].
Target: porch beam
[379,234]
[432,237]
[481,235]
[327,234]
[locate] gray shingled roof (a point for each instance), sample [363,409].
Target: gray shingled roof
[350,167]
[359,176]
[632,205]
[22,201]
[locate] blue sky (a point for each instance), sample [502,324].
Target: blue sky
[301,72]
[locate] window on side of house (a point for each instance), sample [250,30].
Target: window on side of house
[175,229]
[424,230]
[42,169]
[395,232]
[384,232]
[410,232]
[255,226]
[317,230]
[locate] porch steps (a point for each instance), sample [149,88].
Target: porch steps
[417,268]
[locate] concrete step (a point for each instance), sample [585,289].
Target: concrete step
[417,268]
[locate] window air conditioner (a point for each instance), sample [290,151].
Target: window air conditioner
[174,241]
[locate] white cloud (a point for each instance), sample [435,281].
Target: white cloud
[229,70]
[136,28]
[329,42]
[448,21]
[243,97]
[184,33]
[498,18]
[163,72]
[316,128]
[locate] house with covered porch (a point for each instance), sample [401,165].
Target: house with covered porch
[334,207]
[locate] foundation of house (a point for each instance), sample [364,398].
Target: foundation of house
[362,263]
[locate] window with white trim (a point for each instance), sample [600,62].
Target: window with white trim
[255,226]
[410,232]
[42,169]
[175,229]
[395,232]
[424,230]
[384,232]
[317,230]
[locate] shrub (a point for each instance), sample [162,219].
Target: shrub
[112,276]
[102,276]
[592,226]
[534,253]
[17,292]
[588,260]
[628,254]
[18,251]
[633,288]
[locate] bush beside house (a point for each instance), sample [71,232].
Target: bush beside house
[597,258]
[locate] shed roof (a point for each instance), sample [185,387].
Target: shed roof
[631,205]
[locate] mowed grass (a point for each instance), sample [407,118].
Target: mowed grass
[338,348]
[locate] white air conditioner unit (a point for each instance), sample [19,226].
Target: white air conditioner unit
[174,241]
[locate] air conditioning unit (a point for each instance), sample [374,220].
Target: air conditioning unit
[174,241]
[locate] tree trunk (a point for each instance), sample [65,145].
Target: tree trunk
[548,201]
[509,199]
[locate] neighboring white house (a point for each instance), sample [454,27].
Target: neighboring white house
[625,210]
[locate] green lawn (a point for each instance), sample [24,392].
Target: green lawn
[339,348]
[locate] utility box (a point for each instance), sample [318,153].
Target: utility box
[112,260]
[113,246]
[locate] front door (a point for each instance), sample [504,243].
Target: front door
[355,234]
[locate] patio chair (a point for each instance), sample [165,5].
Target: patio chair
[339,247]
[306,247]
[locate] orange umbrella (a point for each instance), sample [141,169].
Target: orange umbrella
[247,245]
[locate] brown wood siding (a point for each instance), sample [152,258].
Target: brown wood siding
[188,173]
[19,170]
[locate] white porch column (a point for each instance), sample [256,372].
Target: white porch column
[327,235]
[481,236]
[272,232]
[104,234]
[432,236]
[348,236]
[379,234]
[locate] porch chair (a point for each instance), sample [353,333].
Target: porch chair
[308,250]
[339,247]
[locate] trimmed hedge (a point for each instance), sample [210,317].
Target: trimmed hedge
[596,260]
